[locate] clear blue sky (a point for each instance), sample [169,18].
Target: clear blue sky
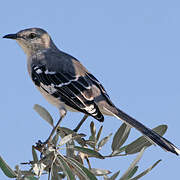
[132,47]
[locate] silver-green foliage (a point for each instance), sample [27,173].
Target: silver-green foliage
[77,150]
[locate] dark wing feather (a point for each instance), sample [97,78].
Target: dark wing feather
[99,85]
[73,91]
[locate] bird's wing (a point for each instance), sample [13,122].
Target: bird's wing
[101,88]
[74,90]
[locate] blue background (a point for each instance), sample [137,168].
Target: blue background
[131,46]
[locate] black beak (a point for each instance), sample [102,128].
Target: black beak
[11,36]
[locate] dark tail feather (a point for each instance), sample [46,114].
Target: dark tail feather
[153,136]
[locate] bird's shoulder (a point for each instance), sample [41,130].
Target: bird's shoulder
[59,62]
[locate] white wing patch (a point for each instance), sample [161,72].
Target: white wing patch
[49,72]
[50,88]
[67,83]
[38,71]
[91,109]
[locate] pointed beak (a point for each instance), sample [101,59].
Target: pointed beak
[11,36]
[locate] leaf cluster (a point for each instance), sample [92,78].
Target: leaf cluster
[65,156]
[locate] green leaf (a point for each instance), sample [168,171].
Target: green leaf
[93,130]
[116,152]
[62,131]
[66,169]
[54,172]
[114,176]
[86,171]
[77,136]
[133,164]
[91,138]
[146,171]
[79,172]
[132,172]
[142,141]
[90,143]
[6,169]
[34,154]
[30,178]
[120,136]
[44,114]
[104,141]
[89,152]
[66,131]
[100,172]
[65,139]
[70,149]
[99,133]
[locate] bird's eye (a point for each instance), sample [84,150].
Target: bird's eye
[32,35]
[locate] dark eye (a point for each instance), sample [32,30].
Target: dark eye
[32,35]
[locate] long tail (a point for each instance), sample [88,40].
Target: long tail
[156,138]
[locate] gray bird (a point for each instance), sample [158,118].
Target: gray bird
[68,85]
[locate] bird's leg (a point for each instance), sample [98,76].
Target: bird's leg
[53,131]
[63,113]
[80,123]
[43,146]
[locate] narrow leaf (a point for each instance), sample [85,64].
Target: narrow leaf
[132,172]
[90,143]
[44,114]
[93,130]
[104,141]
[70,149]
[120,136]
[89,152]
[91,138]
[133,164]
[34,154]
[142,141]
[65,131]
[116,152]
[54,172]
[99,133]
[79,172]
[86,171]
[65,139]
[66,168]
[114,176]
[100,172]
[146,171]
[30,178]
[62,131]
[6,169]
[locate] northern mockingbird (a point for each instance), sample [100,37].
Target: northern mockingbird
[68,85]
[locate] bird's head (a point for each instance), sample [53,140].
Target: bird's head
[32,40]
